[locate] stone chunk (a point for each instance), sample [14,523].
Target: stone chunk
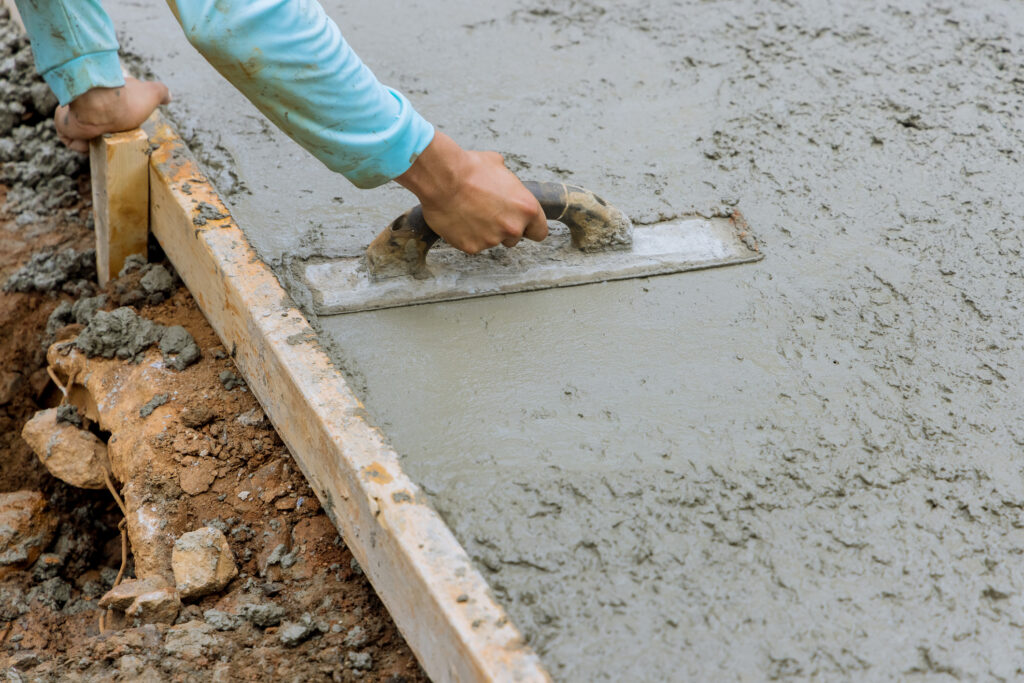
[160,606]
[10,384]
[190,640]
[360,661]
[202,562]
[26,528]
[196,416]
[222,621]
[73,455]
[253,418]
[293,633]
[197,477]
[262,614]
[123,595]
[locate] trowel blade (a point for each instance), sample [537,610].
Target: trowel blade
[343,285]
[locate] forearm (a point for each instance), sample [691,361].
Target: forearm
[74,45]
[291,61]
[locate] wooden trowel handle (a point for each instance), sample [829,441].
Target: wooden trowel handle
[595,225]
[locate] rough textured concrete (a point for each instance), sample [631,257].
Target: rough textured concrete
[808,467]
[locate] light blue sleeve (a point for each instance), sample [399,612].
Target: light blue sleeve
[74,45]
[290,60]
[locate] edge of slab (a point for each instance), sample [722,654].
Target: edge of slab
[439,601]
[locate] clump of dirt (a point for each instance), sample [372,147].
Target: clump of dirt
[299,608]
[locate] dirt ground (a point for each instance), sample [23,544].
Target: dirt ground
[292,564]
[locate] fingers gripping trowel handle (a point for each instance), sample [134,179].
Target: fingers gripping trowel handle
[595,225]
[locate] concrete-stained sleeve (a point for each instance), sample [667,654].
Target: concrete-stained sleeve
[74,45]
[290,60]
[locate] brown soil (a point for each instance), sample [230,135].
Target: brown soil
[49,626]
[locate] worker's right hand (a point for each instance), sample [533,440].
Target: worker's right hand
[108,110]
[470,199]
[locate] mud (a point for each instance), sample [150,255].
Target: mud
[805,468]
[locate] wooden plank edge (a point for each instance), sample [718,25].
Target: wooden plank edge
[119,174]
[439,601]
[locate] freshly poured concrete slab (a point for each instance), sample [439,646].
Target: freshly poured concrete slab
[808,467]
[345,285]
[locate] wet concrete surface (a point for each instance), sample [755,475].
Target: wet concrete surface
[807,467]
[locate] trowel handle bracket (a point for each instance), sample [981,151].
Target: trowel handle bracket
[594,224]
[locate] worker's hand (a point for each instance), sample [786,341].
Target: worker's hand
[470,198]
[108,110]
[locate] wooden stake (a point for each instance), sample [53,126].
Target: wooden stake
[120,198]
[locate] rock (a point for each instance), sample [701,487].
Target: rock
[123,595]
[47,566]
[360,661]
[196,416]
[190,640]
[10,384]
[67,413]
[53,593]
[23,661]
[198,476]
[262,614]
[222,621]
[26,527]
[159,606]
[230,380]
[356,637]
[73,455]
[253,418]
[202,562]
[293,633]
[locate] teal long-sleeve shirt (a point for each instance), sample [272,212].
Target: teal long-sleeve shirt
[286,56]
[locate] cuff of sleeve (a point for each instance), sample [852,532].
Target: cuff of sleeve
[94,70]
[407,139]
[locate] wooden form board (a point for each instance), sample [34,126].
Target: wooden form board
[119,166]
[438,599]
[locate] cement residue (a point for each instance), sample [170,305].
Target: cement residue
[157,280]
[67,269]
[178,347]
[123,333]
[207,212]
[38,170]
[152,404]
[806,468]
[67,413]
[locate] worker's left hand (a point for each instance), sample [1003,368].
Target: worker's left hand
[108,110]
